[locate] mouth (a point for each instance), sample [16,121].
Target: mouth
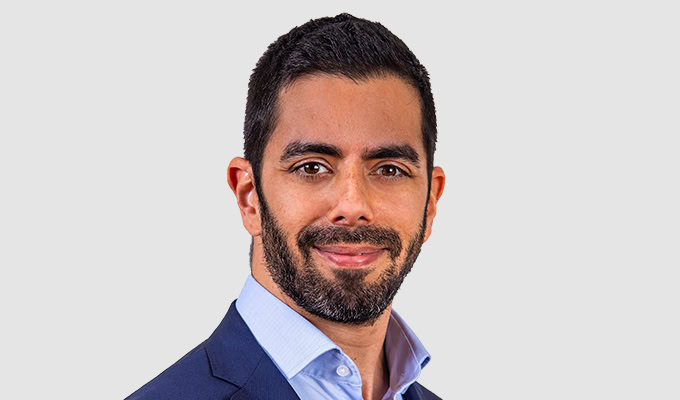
[350,257]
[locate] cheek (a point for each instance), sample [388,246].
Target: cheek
[402,211]
[296,208]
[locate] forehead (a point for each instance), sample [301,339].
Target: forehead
[349,114]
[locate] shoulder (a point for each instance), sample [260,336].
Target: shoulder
[189,378]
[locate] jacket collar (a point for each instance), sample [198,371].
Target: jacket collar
[236,357]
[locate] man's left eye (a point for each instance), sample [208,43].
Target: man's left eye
[391,171]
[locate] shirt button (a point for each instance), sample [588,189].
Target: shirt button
[342,370]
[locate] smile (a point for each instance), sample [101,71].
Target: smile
[350,257]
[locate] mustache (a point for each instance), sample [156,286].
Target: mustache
[311,236]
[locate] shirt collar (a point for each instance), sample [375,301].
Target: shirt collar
[405,353]
[288,338]
[292,342]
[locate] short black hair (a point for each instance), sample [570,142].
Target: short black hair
[343,45]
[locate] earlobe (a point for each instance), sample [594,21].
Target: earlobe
[436,191]
[242,183]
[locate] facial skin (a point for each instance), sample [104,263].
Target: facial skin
[345,205]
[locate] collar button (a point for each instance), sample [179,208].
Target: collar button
[342,370]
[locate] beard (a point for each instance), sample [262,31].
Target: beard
[346,298]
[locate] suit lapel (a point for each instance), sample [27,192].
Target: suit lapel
[417,392]
[236,357]
[266,383]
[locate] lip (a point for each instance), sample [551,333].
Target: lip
[350,257]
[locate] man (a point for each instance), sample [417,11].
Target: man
[338,190]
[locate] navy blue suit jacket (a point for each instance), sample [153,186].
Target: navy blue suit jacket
[230,365]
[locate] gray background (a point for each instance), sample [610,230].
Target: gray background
[552,271]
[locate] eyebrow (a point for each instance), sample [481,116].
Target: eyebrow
[300,148]
[403,152]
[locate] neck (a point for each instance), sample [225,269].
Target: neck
[364,344]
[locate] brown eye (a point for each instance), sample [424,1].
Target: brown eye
[311,168]
[390,171]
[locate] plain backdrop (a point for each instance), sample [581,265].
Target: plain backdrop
[552,270]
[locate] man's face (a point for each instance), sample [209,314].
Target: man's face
[343,194]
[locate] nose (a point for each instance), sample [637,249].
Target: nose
[353,205]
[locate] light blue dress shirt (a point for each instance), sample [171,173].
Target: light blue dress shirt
[316,367]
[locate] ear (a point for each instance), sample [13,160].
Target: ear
[436,190]
[242,183]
